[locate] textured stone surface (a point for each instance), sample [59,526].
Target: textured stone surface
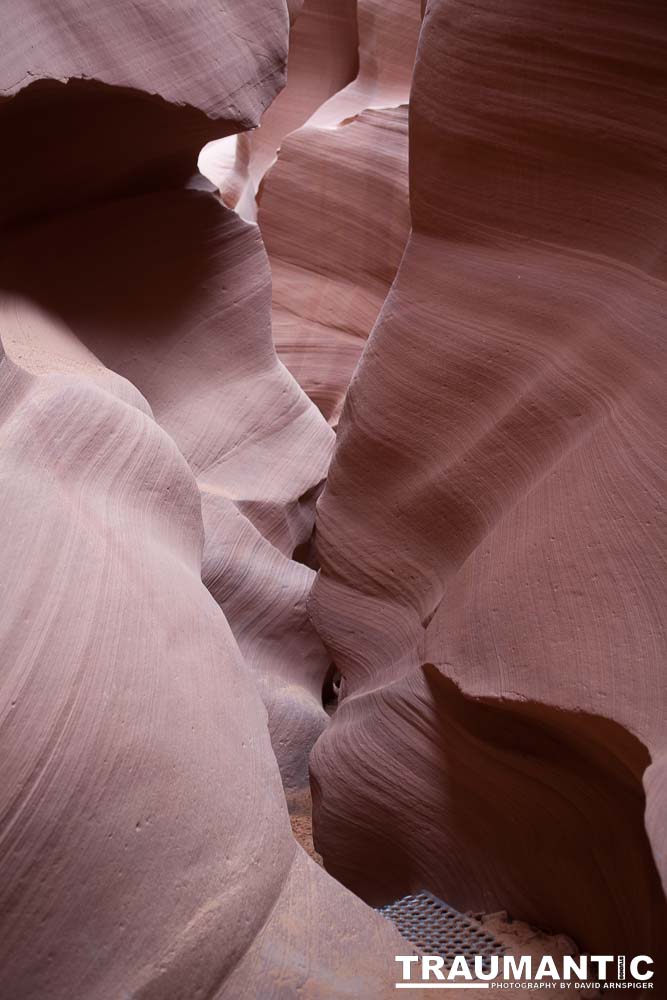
[96,85]
[484,567]
[323,58]
[490,530]
[192,331]
[150,435]
[334,209]
[146,842]
[334,215]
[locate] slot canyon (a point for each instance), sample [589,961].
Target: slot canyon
[332,450]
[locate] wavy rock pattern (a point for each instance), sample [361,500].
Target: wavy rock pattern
[485,572]
[334,216]
[147,848]
[95,86]
[121,754]
[488,530]
[323,58]
[194,316]
[334,210]
[263,594]
[388,31]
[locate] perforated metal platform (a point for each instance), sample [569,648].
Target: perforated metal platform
[435,928]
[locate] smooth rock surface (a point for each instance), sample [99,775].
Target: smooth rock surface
[484,569]
[491,526]
[334,209]
[334,216]
[323,58]
[147,848]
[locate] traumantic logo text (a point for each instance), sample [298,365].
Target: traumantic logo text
[609,972]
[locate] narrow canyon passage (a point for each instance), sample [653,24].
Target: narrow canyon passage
[331,448]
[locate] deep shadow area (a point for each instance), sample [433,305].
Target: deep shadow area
[123,271]
[68,145]
[494,805]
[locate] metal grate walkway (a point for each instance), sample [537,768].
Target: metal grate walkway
[435,928]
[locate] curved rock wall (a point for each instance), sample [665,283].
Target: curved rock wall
[147,848]
[334,209]
[462,269]
[491,519]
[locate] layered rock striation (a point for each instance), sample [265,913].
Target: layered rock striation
[462,271]
[490,530]
[154,446]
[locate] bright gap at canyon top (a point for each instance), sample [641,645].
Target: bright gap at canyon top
[332,438]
